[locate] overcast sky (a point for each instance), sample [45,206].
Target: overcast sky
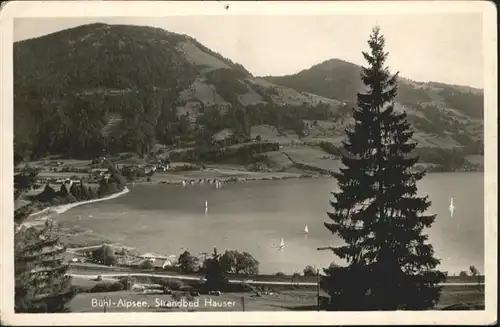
[432,47]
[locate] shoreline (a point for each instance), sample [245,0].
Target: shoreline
[236,176]
[42,215]
[224,175]
[257,176]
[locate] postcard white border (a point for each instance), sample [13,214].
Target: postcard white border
[57,9]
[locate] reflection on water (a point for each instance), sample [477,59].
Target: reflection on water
[255,216]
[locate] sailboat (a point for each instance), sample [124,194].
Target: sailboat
[282,245]
[306,230]
[451,207]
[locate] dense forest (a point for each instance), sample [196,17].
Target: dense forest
[339,79]
[101,88]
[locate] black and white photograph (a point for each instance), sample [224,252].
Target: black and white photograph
[304,163]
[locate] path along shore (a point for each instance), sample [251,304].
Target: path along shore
[39,217]
[180,277]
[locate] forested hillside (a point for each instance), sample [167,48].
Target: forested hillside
[125,88]
[451,113]
[103,88]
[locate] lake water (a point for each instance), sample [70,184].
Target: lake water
[254,216]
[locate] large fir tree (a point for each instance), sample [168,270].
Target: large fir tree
[214,274]
[41,284]
[377,213]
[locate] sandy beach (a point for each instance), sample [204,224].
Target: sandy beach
[39,217]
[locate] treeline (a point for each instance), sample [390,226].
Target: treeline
[241,153]
[438,121]
[76,193]
[239,118]
[86,127]
[64,106]
[332,149]
[41,283]
[126,57]
[447,159]
[63,103]
[471,104]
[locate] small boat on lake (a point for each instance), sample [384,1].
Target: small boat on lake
[451,207]
[282,245]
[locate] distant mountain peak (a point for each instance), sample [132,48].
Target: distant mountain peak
[117,70]
[334,64]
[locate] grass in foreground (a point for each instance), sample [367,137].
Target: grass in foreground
[286,300]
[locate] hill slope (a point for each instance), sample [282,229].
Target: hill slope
[118,88]
[96,82]
[443,115]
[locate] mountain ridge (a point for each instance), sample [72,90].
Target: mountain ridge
[465,86]
[135,86]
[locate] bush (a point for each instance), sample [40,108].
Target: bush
[473,271]
[309,271]
[104,255]
[79,289]
[176,296]
[187,262]
[55,202]
[127,282]
[240,263]
[107,287]
[116,287]
[132,172]
[172,284]
[236,288]
[146,264]
[331,149]
[214,274]
[92,193]
[279,273]
[47,195]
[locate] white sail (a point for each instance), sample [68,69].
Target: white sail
[306,230]
[206,204]
[451,207]
[282,244]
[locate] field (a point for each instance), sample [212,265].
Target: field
[295,300]
[285,296]
[92,269]
[220,172]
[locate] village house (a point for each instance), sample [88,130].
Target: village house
[157,263]
[153,256]
[162,264]
[224,138]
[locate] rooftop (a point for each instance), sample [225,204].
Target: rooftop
[224,134]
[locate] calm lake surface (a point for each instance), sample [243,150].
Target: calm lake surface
[254,216]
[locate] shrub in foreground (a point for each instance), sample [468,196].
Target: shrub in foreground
[107,287]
